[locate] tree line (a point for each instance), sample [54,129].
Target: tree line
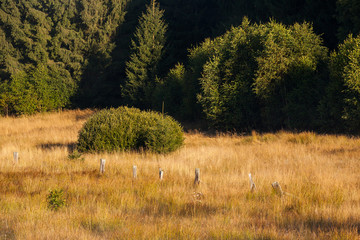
[237,65]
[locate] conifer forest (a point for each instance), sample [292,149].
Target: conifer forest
[232,65]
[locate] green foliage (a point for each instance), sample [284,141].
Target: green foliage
[147,50]
[227,78]
[36,90]
[340,107]
[55,54]
[6,97]
[261,74]
[198,56]
[130,129]
[72,39]
[76,156]
[171,91]
[55,199]
[289,80]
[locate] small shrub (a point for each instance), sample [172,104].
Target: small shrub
[76,156]
[55,199]
[130,129]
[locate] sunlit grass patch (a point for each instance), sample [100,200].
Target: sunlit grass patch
[319,173]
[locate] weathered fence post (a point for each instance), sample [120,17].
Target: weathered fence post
[252,184]
[102,165]
[276,186]
[134,172]
[161,174]
[16,157]
[197,176]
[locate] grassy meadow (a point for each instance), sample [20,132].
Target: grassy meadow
[321,172]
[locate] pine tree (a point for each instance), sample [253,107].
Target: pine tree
[147,48]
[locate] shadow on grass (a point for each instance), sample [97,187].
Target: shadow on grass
[51,146]
[18,176]
[327,224]
[196,209]
[321,224]
[169,207]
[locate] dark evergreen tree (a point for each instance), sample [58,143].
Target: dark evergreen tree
[147,50]
[99,23]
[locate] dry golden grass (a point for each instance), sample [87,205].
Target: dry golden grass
[321,171]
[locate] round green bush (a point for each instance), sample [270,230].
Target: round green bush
[130,129]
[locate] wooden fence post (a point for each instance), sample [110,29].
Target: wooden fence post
[276,186]
[252,184]
[16,157]
[102,165]
[197,176]
[134,172]
[161,174]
